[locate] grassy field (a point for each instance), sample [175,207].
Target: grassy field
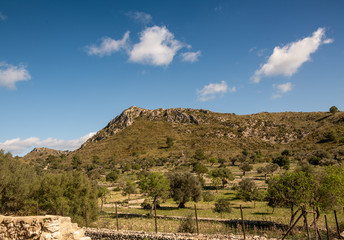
[259,211]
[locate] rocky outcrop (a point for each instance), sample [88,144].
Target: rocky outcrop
[40,227]
[128,116]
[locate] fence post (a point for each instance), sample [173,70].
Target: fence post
[338,231]
[86,215]
[196,219]
[243,222]
[327,233]
[156,223]
[116,216]
[37,210]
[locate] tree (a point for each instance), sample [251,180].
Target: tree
[169,142]
[224,174]
[333,109]
[293,189]
[184,187]
[199,168]
[128,189]
[154,185]
[247,190]
[102,193]
[268,169]
[282,161]
[245,167]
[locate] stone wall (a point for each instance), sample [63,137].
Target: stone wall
[40,227]
[105,234]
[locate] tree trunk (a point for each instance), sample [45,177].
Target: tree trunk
[265,176]
[101,205]
[181,205]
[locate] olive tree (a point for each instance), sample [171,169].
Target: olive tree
[184,187]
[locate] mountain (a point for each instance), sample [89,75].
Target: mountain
[139,133]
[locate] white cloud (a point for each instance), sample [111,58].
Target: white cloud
[18,146]
[281,89]
[2,16]
[286,60]
[142,17]
[157,46]
[211,90]
[108,46]
[190,56]
[10,75]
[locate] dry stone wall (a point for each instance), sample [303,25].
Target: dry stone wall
[105,234]
[40,227]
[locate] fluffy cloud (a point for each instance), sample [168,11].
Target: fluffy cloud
[157,46]
[142,17]
[286,60]
[2,16]
[19,146]
[108,46]
[190,56]
[10,75]
[211,90]
[281,89]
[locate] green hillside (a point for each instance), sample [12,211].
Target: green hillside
[139,133]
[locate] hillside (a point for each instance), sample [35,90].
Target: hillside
[140,133]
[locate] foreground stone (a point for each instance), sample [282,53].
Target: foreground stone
[40,227]
[107,234]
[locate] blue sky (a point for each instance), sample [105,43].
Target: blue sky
[68,67]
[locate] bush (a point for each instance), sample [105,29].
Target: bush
[187,225]
[222,205]
[208,197]
[333,109]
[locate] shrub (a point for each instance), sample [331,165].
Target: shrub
[208,197]
[333,109]
[222,205]
[187,225]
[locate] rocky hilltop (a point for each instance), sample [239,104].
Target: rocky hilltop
[43,153]
[128,116]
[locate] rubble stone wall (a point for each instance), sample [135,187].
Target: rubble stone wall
[40,227]
[106,234]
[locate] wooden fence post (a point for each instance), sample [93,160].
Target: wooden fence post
[156,223]
[196,219]
[338,230]
[86,216]
[327,233]
[116,216]
[243,222]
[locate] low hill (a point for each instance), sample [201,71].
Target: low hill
[43,153]
[141,133]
